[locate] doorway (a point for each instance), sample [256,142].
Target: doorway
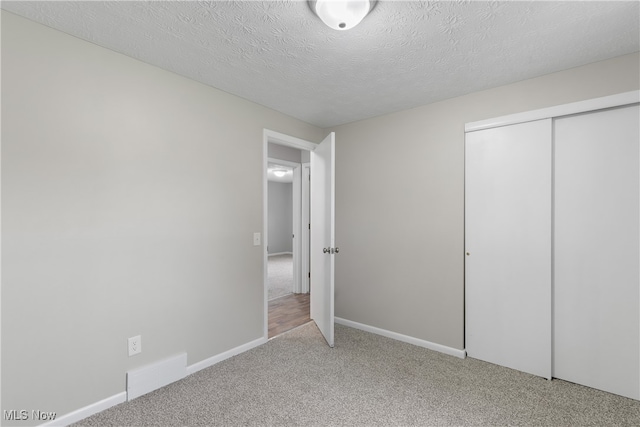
[287,239]
[322,244]
[283,221]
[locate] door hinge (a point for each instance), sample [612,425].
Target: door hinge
[309,226]
[309,275]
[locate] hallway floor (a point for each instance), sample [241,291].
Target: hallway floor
[288,312]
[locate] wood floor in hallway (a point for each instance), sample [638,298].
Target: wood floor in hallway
[288,312]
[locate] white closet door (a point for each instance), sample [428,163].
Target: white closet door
[596,278]
[508,245]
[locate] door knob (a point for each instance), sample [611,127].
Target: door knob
[326,250]
[337,249]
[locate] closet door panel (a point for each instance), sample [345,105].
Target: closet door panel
[596,337]
[508,245]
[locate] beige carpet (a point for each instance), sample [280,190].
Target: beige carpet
[366,380]
[279,276]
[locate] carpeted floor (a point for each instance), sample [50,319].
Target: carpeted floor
[279,276]
[366,380]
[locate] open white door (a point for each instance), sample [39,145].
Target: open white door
[323,236]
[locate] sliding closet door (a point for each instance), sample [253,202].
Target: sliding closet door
[508,246]
[596,280]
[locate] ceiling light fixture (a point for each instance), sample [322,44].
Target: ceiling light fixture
[279,173]
[342,14]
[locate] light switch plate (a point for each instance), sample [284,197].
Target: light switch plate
[256,239]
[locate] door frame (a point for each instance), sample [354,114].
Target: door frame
[296,228]
[269,136]
[305,232]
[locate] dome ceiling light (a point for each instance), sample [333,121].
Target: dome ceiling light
[341,14]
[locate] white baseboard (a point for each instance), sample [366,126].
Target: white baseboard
[156,375]
[104,404]
[222,356]
[94,408]
[100,406]
[280,253]
[404,338]
[87,411]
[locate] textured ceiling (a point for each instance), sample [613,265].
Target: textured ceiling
[404,54]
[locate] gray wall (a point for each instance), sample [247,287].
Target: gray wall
[280,217]
[125,211]
[118,218]
[282,152]
[400,200]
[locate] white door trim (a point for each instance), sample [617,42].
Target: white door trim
[288,141]
[617,100]
[305,268]
[297,228]
[269,136]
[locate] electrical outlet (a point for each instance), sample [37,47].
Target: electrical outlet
[135,345]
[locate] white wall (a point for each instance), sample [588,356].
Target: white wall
[125,211]
[400,200]
[280,217]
